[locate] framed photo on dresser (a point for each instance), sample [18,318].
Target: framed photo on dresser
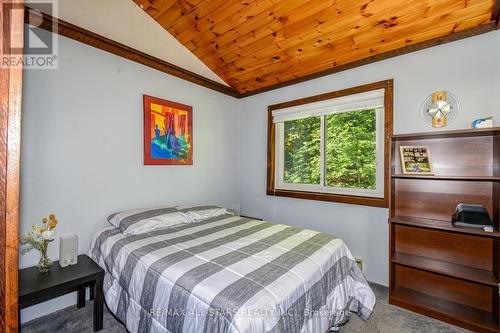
[416,160]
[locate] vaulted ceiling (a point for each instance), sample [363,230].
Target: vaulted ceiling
[255,44]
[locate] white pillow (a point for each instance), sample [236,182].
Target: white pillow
[158,222]
[136,221]
[200,213]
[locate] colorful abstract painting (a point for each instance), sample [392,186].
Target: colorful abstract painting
[168,132]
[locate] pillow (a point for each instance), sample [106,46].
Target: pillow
[200,213]
[137,221]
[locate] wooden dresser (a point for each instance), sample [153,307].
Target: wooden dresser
[446,272]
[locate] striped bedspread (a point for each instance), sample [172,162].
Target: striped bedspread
[230,274]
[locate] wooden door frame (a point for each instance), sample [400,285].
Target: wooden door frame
[10,149]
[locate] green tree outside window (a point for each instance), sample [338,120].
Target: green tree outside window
[350,150]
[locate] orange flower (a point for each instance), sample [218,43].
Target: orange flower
[44,220]
[52,217]
[53,223]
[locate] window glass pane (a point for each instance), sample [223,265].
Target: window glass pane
[302,151]
[350,150]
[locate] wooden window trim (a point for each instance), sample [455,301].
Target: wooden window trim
[387,85]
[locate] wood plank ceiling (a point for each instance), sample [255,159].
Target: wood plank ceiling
[256,44]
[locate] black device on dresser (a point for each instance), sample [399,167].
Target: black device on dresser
[472,216]
[35,287]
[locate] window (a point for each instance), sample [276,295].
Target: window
[332,147]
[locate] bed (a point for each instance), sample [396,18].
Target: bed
[227,273]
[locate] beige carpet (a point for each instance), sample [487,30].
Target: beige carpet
[384,319]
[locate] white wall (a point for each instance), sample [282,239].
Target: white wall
[469,68]
[82,147]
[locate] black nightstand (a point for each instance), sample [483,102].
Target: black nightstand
[35,288]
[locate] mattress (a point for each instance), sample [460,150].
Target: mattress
[230,274]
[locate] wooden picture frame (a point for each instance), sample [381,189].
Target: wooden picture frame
[422,160]
[168,132]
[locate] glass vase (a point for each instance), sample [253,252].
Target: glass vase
[45,263]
